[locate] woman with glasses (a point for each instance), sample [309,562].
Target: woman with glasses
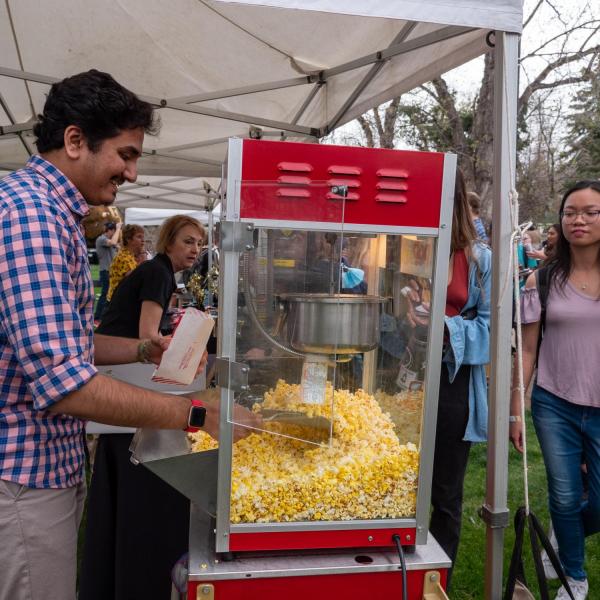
[565,401]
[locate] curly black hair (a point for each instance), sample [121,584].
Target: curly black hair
[98,105]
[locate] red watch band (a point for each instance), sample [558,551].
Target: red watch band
[194,402]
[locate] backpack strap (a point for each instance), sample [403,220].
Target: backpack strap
[542,282]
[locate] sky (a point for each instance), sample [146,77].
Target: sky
[550,21]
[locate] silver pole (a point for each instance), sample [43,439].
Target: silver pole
[495,509]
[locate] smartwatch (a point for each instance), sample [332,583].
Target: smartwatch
[196,416]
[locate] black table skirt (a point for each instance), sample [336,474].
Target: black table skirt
[137,528]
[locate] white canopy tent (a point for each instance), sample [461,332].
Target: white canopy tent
[220,69]
[276,69]
[147,217]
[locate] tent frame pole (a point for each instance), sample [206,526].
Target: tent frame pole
[242,91]
[495,509]
[373,71]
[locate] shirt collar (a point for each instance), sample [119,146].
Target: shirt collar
[68,193]
[165,260]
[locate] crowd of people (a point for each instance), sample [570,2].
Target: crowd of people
[89,139]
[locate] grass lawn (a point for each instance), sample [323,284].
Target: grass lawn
[468,578]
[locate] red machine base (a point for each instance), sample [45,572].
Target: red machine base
[370,586]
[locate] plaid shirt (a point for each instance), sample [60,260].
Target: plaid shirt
[46,325]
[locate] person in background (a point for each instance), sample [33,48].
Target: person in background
[126,260]
[475,208]
[462,405]
[552,235]
[546,252]
[89,138]
[106,249]
[565,400]
[137,525]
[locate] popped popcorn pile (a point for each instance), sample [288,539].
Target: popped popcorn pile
[405,410]
[364,474]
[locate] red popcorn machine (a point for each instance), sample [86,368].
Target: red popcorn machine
[333,273]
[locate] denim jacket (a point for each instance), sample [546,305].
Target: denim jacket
[469,342]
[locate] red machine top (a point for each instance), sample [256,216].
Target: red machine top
[293,181]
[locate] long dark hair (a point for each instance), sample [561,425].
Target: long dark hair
[463,230]
[560,264]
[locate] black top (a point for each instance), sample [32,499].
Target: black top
[152,280]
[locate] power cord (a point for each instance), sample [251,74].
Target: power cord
[396,539]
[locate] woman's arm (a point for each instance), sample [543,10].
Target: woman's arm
[150,317]
[470,338]
[530,333]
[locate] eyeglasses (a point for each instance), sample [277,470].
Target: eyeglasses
[588,215]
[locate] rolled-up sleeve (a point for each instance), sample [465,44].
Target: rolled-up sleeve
[531,308]
[40,308]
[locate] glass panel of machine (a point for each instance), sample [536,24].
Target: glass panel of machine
[334,328]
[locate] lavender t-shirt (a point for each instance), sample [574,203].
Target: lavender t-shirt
[569,357]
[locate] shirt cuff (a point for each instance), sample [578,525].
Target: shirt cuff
[60,381]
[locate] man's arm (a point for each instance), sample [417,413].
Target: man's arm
[113,402]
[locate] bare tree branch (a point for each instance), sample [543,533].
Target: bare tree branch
[535,9]
[538,82]
[563,34]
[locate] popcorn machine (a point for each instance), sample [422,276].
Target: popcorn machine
[333,266]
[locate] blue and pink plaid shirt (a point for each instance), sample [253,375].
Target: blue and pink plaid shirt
[46,325]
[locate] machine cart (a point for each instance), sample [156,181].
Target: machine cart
[333,274]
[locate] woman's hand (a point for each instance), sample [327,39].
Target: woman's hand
[156,347]
[516,435]
[537,254]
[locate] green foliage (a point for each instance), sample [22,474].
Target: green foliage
[426,125]
[469,574]
[583,155]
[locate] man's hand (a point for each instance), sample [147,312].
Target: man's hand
[211,399]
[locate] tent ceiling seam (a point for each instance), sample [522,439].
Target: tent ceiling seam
[252,35]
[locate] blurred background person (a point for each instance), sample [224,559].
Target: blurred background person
[462,405]
[546,252]
[106,249]
[126,259]
[475,207]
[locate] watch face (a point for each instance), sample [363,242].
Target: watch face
[197,416]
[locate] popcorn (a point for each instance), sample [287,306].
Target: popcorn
[405,410]
[366,473]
